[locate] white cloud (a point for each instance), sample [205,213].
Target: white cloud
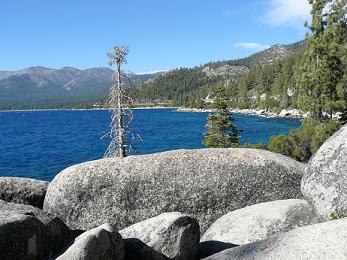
[252,45]
[288,13]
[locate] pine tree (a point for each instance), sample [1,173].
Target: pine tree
[323,71]
[242,97]
[221,133]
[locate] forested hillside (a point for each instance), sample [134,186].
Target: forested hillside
[273,86]
[247,80]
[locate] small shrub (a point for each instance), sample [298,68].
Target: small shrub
[255,146]
[281,144]
[335,215]
[301,143]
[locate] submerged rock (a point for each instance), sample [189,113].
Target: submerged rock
[173,234]
[101,243]
[23,190]
[204,183]
[325,180]
[320,241]
[260,221]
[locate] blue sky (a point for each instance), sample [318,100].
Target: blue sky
[161,34]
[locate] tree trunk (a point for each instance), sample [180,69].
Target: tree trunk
[122,152]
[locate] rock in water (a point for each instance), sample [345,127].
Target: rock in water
[204,183]
[260,221]
[173,234]
[320,241]
[101,243]
[324,183]
[23,191]
[22,237]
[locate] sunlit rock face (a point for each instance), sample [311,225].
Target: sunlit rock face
[204,183]
[260,221]
[319,241]
[325,180]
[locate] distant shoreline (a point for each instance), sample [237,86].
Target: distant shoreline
[76,109]
[292,113]
[250,112]
[285,113]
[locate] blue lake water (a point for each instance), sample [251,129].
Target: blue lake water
[39,144]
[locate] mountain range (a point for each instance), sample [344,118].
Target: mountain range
[40,85]
[46,86]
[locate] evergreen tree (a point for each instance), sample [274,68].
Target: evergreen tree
[322,87]
[343,118]
[221,133]
[243,97]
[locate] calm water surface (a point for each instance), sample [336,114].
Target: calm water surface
[39,144]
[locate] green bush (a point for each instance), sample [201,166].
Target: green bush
[337,215]
[280,144]
[255,146]
[301,143]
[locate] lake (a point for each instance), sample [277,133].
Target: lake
[39,144]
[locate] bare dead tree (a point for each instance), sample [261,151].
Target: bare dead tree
[119,102]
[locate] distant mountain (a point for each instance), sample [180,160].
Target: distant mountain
[267,56]
[40,85]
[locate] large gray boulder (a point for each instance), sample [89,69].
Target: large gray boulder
[23,190]
[323,241]
[260,221]
[22,237]
[173,234]
[57,234]
[324,183]
[100,243]
[204,183]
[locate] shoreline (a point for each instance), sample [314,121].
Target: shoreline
[290,113]
[285,113]
[76,109]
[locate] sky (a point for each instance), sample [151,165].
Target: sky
[161,34]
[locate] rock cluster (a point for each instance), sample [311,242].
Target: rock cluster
[248,203]
[292,113]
